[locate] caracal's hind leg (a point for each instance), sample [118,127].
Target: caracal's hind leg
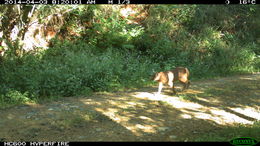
[172,87]
[184,86]
[187,85]
[173,90]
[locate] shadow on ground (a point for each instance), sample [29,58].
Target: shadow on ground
[206,108]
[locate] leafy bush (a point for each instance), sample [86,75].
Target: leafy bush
[72,71]
[13,97]
[110,54]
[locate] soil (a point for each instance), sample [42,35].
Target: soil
[138,115]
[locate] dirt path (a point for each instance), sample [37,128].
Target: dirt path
[138,115]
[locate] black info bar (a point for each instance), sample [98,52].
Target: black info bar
[52,143]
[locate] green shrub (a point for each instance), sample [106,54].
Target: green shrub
[111,54]
[13,97]
[75,72]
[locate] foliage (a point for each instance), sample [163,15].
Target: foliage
[108,53]
[13,97]
[71,71]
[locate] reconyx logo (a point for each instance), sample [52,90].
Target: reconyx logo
[243,141]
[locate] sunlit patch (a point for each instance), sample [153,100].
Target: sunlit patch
[145,128]
[246,78]
[131,103]
[146,95]
[250,112]
[31,104]
[186,116]
[204,116]
[191,109]
[226,117]
[137,129]
[146,118]
[191,91]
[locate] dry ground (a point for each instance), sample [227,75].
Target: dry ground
[139,115]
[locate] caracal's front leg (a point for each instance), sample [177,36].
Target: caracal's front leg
[160,88]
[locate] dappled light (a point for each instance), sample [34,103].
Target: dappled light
[138,115]
[206,108]
[215,114]
[84,72]
[121,110]
[152,112]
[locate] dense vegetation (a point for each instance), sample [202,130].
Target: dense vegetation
[110,53]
